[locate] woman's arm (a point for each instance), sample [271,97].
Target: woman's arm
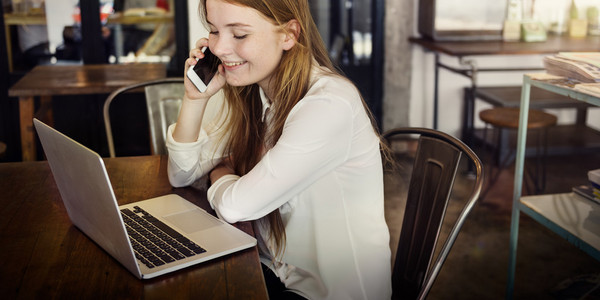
[222,169]
[316,140]
[192,152]
[194,102]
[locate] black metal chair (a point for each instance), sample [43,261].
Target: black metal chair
[434,170]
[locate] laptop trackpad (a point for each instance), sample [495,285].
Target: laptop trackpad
[192,221]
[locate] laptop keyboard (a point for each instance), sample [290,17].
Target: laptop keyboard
[154,242]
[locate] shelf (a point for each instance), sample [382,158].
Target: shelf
[569,215]
[572,217]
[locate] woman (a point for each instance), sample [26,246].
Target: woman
[298,154]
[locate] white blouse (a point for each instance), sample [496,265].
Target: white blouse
[325,176]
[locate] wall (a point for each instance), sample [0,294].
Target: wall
[58,15]
[196,27]
[398,63]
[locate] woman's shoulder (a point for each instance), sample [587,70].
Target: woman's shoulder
[327,85]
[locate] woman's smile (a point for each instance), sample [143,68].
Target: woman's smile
[232,64]
[249,44]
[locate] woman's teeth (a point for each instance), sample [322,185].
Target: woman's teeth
[232,64]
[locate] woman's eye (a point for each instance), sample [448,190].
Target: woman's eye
[213,32]
[240,37]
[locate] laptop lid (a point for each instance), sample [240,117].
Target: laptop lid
[90,202]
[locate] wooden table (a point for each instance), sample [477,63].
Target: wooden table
[44,255]
[463,49]
[53,80]
[553,44]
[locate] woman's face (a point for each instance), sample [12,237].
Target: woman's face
[249,45]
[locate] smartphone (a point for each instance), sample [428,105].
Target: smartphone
[204,70]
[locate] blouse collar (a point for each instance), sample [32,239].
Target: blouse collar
[316,71]
[266,104]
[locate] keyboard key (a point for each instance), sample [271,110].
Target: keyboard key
[154,242]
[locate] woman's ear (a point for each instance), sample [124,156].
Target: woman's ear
[292,32]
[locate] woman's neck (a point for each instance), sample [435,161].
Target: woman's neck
[268,90]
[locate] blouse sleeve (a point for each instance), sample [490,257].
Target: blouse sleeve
[190,161]
[315,140]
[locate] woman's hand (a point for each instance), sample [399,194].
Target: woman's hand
[194,102]
[217,82]
[222,169]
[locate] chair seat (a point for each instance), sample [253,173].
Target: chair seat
[508,117]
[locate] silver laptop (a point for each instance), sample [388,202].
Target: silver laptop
[179,233]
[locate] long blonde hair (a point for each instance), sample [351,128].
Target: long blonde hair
[291,81]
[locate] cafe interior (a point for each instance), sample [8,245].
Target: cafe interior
[465,68]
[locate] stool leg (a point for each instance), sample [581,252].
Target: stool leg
[538,176]
[534,187]
[544,159]
[494,158]
[539,162]
[501,161]
[484,139]
[539,179]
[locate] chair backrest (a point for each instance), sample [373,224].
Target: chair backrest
[436,163]
[163,101]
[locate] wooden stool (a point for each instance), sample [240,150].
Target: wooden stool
[508,118]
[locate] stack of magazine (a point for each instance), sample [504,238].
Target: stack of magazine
[580,66]
[590,191]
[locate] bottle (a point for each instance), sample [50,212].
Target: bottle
[511,30]
[593,19]
[577,26]
[559,22]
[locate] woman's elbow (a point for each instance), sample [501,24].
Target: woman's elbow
[177,179]
[227,216]
[176,183]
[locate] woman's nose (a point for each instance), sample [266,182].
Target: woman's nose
[218,47]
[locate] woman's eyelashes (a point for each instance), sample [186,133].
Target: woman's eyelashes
[235,36]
